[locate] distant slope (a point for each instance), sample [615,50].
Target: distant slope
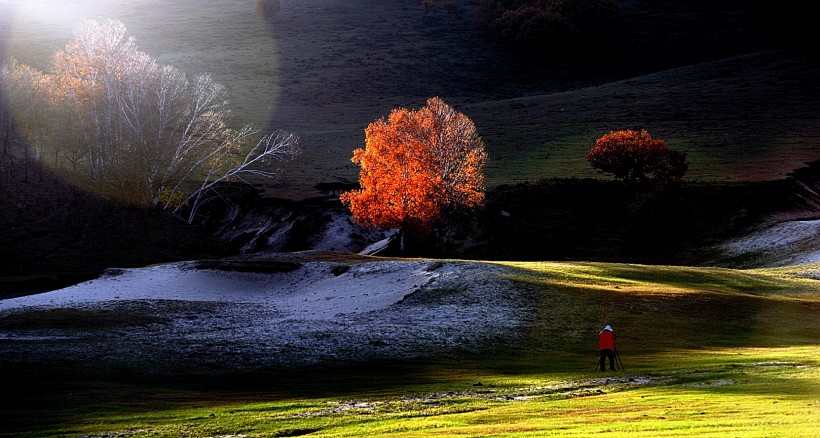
[746,118]
[751,117]
[342,64]
[327,68]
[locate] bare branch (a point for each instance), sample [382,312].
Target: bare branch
[276,147]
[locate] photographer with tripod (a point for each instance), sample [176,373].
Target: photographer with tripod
[606,345]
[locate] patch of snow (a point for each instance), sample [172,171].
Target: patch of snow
[204,320]
[336,235]
[785,243]
[806,257]
[276,227]
[310,292]
[778,235]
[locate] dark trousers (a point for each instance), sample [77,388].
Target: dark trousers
[607,353]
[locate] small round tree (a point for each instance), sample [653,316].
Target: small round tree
[634,157]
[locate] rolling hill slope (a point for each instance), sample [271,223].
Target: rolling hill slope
[260,314]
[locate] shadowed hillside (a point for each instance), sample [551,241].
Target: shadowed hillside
[54,234]
[708,77]
[711,79]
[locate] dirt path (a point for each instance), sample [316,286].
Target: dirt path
[567,389]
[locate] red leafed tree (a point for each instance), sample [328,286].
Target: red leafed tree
[635,157]
[417,166]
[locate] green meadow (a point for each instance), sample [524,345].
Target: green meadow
[706,352]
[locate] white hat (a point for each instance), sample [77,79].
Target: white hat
[608,328]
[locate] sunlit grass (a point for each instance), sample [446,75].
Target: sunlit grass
[668,279]
[763,395]
[708,352]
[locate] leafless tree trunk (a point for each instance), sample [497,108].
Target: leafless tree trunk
[5,119]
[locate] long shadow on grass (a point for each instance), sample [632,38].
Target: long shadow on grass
[58,399]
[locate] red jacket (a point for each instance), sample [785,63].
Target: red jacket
[606,340]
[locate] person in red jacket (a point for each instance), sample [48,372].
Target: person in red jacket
[606,345]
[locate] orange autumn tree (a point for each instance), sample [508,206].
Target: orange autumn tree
[634,157]
[416,167]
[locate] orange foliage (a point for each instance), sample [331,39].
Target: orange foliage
[635,157]
[416,165]
[92,62]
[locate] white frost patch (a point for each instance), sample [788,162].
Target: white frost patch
[377,247]
[778,235]
[785,243]
[336,236]
[808,257]
[321,312]
[310,292]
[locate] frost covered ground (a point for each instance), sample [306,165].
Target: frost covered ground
[785,243]
[298,309]
[260,314]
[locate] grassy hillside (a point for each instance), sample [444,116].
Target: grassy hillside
[705,76]
[744,118]
[707,352]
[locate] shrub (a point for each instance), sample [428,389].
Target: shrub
[561,25]
[532,27]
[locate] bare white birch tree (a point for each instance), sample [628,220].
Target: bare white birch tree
[24,108]
[143,133]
